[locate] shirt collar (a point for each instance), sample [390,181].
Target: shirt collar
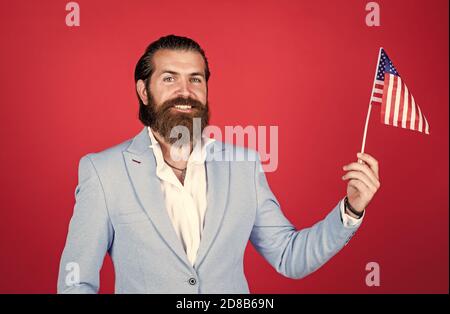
[198,154]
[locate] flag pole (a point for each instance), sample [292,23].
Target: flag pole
[370,107]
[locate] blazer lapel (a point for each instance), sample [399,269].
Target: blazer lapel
[217,174]
[141,165]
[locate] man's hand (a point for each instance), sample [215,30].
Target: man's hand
[364,181]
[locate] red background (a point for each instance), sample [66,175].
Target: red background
[306,66]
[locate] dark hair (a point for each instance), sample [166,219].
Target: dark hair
[144,68]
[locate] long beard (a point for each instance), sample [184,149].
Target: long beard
[164,118]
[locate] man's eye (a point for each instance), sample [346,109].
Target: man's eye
[168,79]
[196,79]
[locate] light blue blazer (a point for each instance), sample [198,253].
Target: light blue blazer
[120,210]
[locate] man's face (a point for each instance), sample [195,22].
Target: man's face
[178,73]
[177,91]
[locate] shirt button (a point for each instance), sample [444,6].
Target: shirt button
[192,281]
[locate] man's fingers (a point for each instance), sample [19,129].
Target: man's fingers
[372,162]
[359,185]
[366,170]
[361,177]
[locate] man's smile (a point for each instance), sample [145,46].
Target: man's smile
[183,108]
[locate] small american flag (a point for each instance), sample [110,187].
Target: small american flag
[398,107]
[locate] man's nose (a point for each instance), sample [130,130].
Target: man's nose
[183,89]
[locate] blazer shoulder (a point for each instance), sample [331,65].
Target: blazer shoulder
[110,155]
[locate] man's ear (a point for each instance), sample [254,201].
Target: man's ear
[142,91]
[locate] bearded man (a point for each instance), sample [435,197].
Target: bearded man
[177,222]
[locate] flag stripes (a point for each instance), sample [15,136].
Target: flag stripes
[398,107]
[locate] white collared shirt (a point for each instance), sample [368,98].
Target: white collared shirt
[186,204]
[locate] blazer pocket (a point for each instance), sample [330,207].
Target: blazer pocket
[131,217]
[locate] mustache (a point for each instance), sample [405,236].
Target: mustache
[180,101]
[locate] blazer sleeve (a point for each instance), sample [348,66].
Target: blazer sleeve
[294,253]
[89,236]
